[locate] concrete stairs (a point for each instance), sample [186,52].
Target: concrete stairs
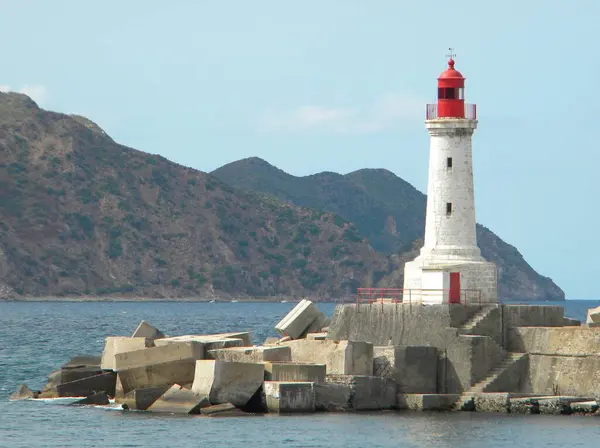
[488,383]
[471,326]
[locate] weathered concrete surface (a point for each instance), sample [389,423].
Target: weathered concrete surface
[145,330]
[251,354]
[570,322]
[177,351]
[585,407]
[563,341]
[23,393]
[397,324]
[317,326]
[572,375]
[427,402]
[333,397]
[317,336]
[210,342]
[271,340]
[222,410]
[492,402]
[141,399]
[155,375]
[468,360]
[82,361]
[344,357]
[291,371]
[366,392]
[120,344]
[413,369]
[233,382]
[532,316]
[289,397]
[179,400]
[593,316]
[487,322]
[99,399]
[105,382]
[303,315]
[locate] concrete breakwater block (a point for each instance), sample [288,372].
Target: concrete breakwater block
[23,393]
[99,399]
[155,375]
[222,410]
[179,400]
[233,382]
[145,330]
[593,316]
[585,407]
[300,319]
[210,342]
[178,351]
[120,344]
[105,382]
[356,392]
[427,402]
[289,397]
[141,399]
[492,402]
[413,369]
[343,357]
[251,354]
[292,371]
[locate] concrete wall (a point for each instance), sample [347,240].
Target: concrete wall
[513,379]
[564,375]
[397,324]
[468,360]
[565,341]
[532,316]
[413,369]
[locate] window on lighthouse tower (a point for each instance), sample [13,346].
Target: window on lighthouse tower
[448,208]
[449,162]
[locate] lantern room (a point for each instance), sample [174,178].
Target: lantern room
[451,93]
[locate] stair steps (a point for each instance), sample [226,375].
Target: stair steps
[472,323]
[482,386]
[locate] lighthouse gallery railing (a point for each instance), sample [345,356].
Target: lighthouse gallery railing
[470,111]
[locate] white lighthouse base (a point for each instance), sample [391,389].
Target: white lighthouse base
[429,282]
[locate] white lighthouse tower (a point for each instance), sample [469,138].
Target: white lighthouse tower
[450,268]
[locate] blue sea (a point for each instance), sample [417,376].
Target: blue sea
[37,337]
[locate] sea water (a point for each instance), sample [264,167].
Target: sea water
[38,337]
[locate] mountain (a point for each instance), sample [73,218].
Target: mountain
[83,215]
[390,213]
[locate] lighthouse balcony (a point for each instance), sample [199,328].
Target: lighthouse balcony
[469,112]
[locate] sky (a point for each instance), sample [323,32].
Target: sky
[340,85]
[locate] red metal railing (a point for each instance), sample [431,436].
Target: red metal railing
[470,112]
[399,295]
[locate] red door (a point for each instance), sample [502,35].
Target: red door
[454,293]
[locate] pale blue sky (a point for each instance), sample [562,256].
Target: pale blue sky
[340,85]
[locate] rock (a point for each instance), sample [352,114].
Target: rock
[524,405]
[158,366]
[105,382]
[178,400]
[251,354]
[23,393]
[289,397]
[292,371]
[141,399]
[120,344]
[300,319]
[233,382]
[99,399]
[558,404]
[145,330]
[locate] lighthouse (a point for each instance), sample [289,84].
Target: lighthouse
[449,267]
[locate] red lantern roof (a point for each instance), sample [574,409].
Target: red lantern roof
[451,72]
